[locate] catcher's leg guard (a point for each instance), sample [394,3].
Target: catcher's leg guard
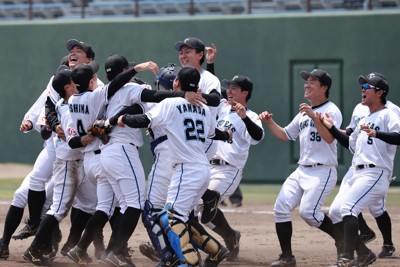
[157,236]
[178,237]
[202,239]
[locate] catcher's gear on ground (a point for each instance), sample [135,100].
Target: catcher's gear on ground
[101,129]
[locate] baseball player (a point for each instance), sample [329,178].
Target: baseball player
[67,172]
[131,201]
[95,101]
[230,157]
[373,164]
[79,53]
[159,180]
[192,53]
[190,172]
[315,177]
[33,119]
[377,209]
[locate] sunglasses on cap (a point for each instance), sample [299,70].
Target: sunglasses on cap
[367,86]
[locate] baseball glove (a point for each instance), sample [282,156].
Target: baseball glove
[100,129]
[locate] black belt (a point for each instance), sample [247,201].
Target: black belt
[156,142]
[218,162]
[313,165]
[134,145]
[96,152]
[365,166]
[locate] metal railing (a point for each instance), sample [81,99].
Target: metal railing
[248,6]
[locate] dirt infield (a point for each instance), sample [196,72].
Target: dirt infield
[259,244]
[11,170]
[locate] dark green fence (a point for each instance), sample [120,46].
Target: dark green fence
[272,50]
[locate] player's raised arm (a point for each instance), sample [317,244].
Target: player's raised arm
[273,127]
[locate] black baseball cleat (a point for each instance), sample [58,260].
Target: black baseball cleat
[28,231]
[344,262]
[127,253]
[215,259]
[34,257]
[233,243]
[284,261]
[366,259]
[4,251]
[117,260]
[79,256]
[66,248]
[210,208]
[368,236]
[387,251]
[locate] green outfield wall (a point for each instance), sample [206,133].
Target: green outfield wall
[270,49]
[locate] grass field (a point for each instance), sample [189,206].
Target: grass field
[262,193]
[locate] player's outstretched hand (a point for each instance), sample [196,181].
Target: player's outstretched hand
[120,122]
[149,65]
[326,120]
[195,98]
[211,53]
[265,116]
[25,126]
[368,130]
[240,109]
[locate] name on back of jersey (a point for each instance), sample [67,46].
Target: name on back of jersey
[184,108]
[79,108]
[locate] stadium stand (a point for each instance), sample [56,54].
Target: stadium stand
[65,9]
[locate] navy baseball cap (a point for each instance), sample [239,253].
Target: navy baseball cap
[318,74]
[82,75]
[243,82]
[115,64]
[61,78]
[189,79]
[192,42]
[376,79]
[86,47]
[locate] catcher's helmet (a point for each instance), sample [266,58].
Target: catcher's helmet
[165,78]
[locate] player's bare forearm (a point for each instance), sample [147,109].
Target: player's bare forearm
[273,127]
[86,139]
[323,131]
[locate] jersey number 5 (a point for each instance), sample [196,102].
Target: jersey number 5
[194,130]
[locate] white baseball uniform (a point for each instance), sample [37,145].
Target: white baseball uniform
[120,156]
[209,82]
[377,208]
[67,169]
[230,157]
[373,163]
[187,128]
[315,177]
[85,108]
